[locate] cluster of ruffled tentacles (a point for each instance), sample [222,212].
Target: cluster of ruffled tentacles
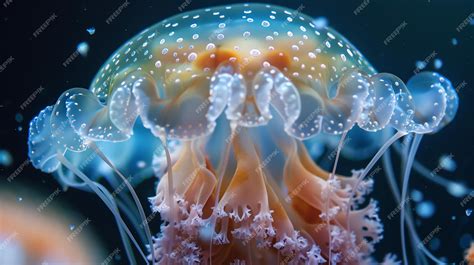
[254,221]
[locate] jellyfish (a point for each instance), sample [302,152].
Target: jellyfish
[227,106]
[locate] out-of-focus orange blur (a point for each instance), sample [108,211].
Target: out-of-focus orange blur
[40,234]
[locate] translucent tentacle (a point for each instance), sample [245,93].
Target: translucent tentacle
[389,173]
[406,177]
[222,169]
[369,167]
[431,176]
[126,209]
[406,150]
[407,169]
[123,234]
[110,203]
[103,197]
[333,175]
[126,206]
[65,179]
[170,192]
[411,157]
[123,206]
[132,191]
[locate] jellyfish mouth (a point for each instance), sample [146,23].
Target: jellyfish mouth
[264,213]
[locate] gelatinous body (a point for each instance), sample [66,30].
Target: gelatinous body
[237,53]
[228,94]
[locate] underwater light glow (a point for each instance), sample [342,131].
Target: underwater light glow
[91,30]
[5,158]
[83,48]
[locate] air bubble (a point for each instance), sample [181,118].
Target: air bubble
[468,212]
[91,30]
[320,22]
[5,158]
[210,46]
[425,209]
[192,57]
[420,65]
[255,52]
[456,189]
[447,163]
[438,63]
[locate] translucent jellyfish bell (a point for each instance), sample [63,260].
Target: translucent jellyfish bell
[308,122]
[123,109]
[163,115]
[230,84]
[90,119]
[273,89]
[430,100]
[402,116]
[41,145]
[332,109]
[63,134]
[379,104]
[340,113]
[452,98]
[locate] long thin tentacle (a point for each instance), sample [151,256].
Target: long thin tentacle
[411,226]
[406,178]
[170,192]
[222,169]
[111,204]
[126,206]
[428,174]
[103,197]
[332,176]
[371,164]
[390,175]
[132,191]
[123,234]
